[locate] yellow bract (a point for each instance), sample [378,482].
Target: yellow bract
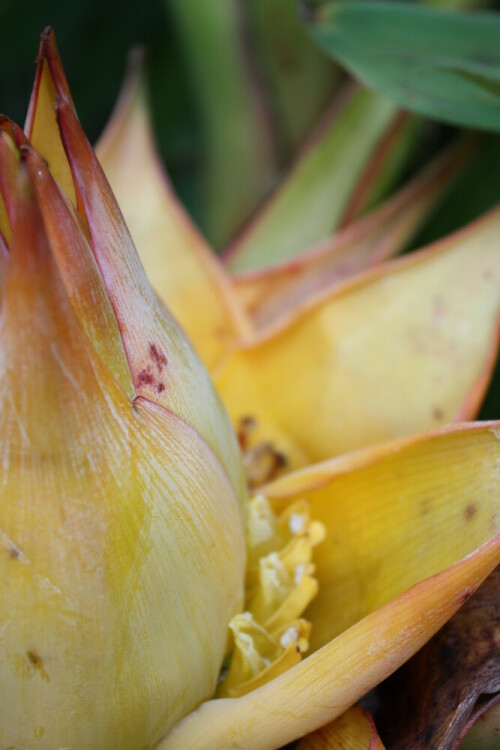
[181,266]
[399,350]
[352,731]
[122,552]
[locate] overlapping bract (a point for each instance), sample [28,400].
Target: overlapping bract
[122,554]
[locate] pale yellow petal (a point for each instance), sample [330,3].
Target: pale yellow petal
[401,349]
[394,515]
[182,268]
[354,730]
[270,293]
[324,685]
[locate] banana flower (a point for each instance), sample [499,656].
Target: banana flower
[132,614]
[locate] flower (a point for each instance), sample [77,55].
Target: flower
[108,377]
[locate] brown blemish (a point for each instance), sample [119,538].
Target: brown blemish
[14,552]
[261,460]
[246,426]
[158,357]
[148,378]
[437,413]
[34,659]
[466,595]
[470,511]
[145,377]
[36,662]
[262,464]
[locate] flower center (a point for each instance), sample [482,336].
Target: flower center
[271,636]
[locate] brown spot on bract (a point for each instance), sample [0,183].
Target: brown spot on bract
[36,662]
[158,357]
[14,553]
[466,595]
[437,413]
[33,658]
[145,377]
[470,511]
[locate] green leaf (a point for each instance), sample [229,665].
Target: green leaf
[311,201]
[292,68]
[248,65]
[437,62]
[239,149]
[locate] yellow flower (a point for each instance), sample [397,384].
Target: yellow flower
[101,392]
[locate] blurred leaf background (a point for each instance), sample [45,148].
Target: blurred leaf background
[236,87]
[94,38]
[196,89]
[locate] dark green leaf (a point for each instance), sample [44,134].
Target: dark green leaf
[437,62]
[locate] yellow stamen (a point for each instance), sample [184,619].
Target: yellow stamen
[270,637]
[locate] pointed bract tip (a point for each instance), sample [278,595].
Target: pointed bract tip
[47,33]
[48,44]
[137,58]
[49,52]
[134,77]
[13,130]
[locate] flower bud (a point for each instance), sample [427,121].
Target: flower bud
[121,536]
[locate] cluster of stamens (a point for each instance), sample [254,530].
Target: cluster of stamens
[271,636]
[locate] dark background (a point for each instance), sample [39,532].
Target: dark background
[94,39]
